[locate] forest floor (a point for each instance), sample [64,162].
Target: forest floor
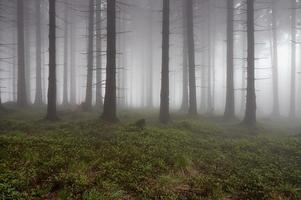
[82,157]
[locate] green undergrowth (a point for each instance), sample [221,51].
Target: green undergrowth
[187,159]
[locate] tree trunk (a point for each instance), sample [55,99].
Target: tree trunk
[191,59]
[250,115]
[21,93]
[209,79]
[39,95]
[275,62]
[66,56]
[99,100]
[73,63]
[293,62]
[164,101]
[14,71]
[88,101]
[150,56]
[185,98]
[243,75]
[27,54]
[51,106]
[230,104]
[109,111]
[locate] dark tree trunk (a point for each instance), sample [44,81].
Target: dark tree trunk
[293,62]
[164,101]
[99,96]
[15,67]
[185,98]
[66,56]
[1,107]
[250,115]
[191,59]
[230,104]
[39,95]
[21,93]
[275,62]
[88,101]
[51,106]
[109,111]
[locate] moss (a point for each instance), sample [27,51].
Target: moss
[187,159]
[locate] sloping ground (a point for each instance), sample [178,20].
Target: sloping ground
[190,159]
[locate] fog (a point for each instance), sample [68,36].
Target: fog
[139,53]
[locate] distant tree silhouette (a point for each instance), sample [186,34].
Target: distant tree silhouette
[21,91]
[39,94]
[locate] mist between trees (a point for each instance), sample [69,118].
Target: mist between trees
[237,58]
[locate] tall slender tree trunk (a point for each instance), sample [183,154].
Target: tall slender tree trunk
[66,55]
[230,104]
[243,75]
[44,68]
[191,59]
[39,95]
[1,107]
[88,100]
[21,93]
[150,55]
[99,83]
[250,115]
[73,63]
[14,71]
[28,67]
[123,62]
[109,111]
[293,62]
[275,62]
[185,97]
[51,106]
[164,101]
[209,79]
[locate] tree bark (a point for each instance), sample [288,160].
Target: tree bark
[243,75]
[39,95]
[109,111]
[185,84]
[51,106]
[191,59]
[27,44]
[88,100]
[250,115]
[66,55]
[164,101]
[15,67]
[210,108]
[21,93]
[99,95]
[73,63]
[293,62]
[230,101]
[150,55]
